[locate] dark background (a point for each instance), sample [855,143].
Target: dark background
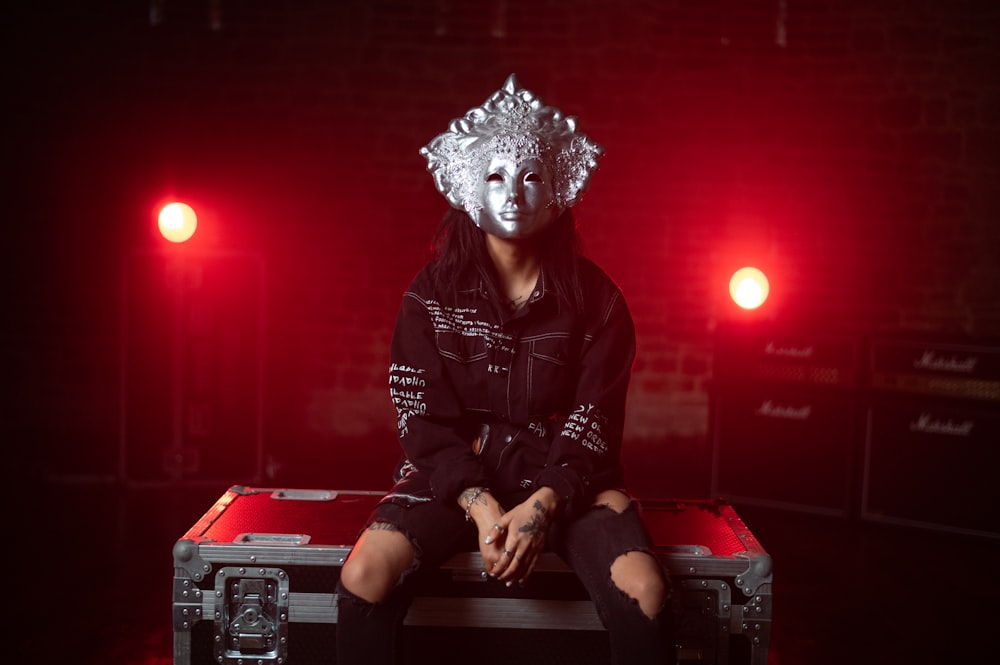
[850,148]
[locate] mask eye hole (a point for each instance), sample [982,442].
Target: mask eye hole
[533,177]
[494,177]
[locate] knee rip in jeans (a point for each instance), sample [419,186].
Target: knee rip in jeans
[413,566]
[614,500]
[647,591]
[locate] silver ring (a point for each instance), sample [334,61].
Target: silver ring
[498,528]
[507,553]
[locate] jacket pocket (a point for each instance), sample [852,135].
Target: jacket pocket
[550,374]
[465,363]
[465,349]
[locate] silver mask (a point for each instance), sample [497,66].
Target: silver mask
[513,164]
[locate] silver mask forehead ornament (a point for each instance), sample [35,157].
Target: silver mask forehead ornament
[515,124]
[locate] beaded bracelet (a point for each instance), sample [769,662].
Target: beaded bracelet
[475,495]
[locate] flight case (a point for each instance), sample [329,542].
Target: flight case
[254,584]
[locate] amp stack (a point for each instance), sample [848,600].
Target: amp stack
[883,429]
[192,368]
[785,414]
[932,436]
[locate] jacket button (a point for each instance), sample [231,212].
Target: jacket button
[508,438]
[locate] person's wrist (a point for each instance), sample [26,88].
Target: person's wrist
[472,497]
[549,498]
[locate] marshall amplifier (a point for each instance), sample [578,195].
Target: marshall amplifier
[940,370]
[932,437]
[785,419]
[752,354]
[784,447]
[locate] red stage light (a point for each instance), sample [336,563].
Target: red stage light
[749,287]
[177,222]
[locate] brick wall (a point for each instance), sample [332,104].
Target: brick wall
[851,148]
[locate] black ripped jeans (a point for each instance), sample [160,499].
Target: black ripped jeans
[589,544]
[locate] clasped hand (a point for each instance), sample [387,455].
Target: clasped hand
[510,542]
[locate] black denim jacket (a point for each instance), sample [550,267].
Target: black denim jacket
[512,401]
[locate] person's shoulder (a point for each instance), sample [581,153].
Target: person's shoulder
[430,284]
[593,275]
[600,290]
[423,280]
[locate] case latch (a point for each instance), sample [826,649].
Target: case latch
[251,615]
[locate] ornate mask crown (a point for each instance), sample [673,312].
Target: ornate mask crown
[514,123]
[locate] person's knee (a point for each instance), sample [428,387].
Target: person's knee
[614,499]
[638,575]
[376,564]
[366,580]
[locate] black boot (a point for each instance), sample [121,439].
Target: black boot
[369,633]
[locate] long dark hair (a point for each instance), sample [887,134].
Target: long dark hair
[459,250]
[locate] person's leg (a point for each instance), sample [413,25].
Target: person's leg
[370,607]
[611,552]
[372,598]
[377,561]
